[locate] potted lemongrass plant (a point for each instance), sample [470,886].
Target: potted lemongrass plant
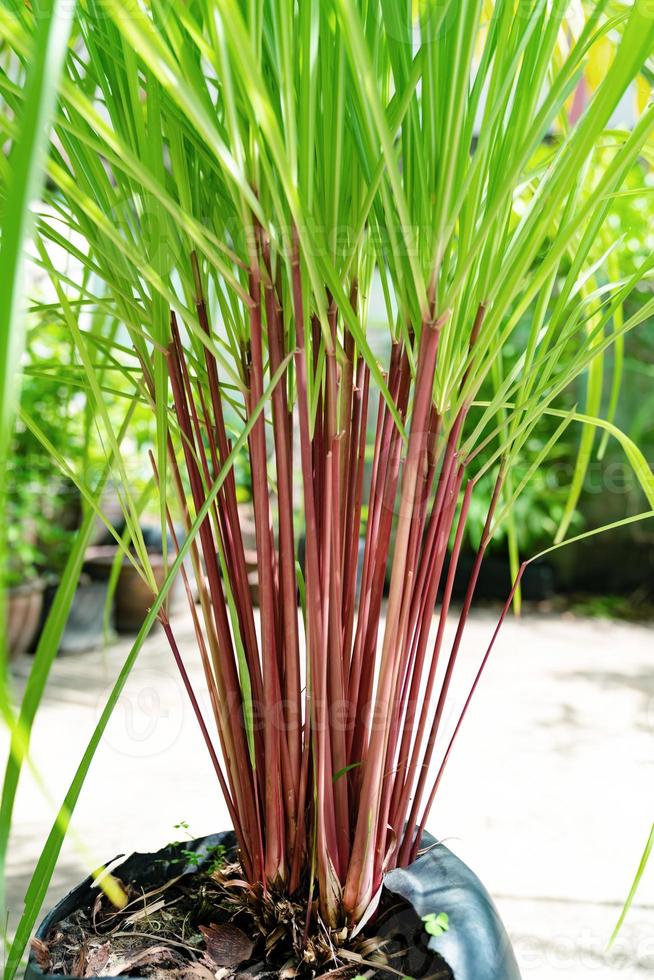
[244,178]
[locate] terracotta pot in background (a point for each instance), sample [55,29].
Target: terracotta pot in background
[24,603]
[133,596]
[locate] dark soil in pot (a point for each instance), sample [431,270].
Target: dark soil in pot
[177,925]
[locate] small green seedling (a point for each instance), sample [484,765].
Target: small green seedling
[435,924]
[212,859]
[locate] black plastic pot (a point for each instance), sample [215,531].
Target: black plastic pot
[85,626]
[475,947]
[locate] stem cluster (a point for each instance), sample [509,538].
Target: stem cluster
[330,716]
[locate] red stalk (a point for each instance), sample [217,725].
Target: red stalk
[288,582]
[245,856]
[327,834]
[318,442]
[272,726]
[403,781]
[364,597]
[345,420]
[472,583]
[226,790]
[234,545]
[353,510]
[431,678]
[457,728]
[224,663]
[428,581]
[378,534]
[336,685]
[360,879]
[315,622]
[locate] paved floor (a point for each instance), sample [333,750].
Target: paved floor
[549,794]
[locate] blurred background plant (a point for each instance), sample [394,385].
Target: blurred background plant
[606,490]
[44,508]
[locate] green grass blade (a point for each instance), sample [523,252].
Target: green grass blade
[634,888]
[26,162]
[604,529]
[25,179]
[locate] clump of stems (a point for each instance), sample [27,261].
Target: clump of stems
[329,717]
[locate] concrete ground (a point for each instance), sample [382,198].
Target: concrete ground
[549,794]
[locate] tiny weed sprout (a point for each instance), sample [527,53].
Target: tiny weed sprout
[436,924]
[343,257]
[211,861]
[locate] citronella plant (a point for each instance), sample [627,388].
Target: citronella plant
[234,181]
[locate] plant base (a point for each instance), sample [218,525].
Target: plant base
[77,939]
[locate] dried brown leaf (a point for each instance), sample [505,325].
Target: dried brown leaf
[142,957]
[227,945]
[97,906]
[145,912]
[41,952]
[96,960]
[274,937]
[79,963]
[196,971]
